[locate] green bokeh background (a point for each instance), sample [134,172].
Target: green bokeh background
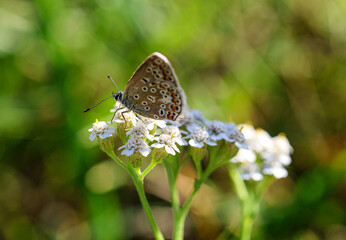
[279,64]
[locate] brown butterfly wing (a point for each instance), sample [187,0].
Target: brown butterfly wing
[153,91]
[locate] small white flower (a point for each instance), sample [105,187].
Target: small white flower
[139,131]
[217,130]
[250,171]
[199,137]
[244,156]
[135,145]
[263,140]
[257,139]
[274,168]
[234,135]
[271,156]
[282,145]
[276,157]
[166,141]
[175,133]
[101,129]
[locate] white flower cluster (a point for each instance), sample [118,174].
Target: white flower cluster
[265,154]
[202,131]
[199,132]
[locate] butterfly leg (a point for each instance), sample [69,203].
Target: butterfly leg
[122,114]
[116,112]
[139,118]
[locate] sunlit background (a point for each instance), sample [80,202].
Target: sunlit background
[279,64]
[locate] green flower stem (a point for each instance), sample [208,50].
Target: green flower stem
[172,167]
[172,173]
[139,186]
[249,203]
[238,183]
[148,169]
[180,214]
[112,155]
[247,223]
[138,181]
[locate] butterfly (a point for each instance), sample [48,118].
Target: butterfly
[153,91]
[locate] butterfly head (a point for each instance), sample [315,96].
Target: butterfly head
[118,96]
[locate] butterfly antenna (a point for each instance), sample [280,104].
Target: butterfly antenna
[97,104]
[113,82]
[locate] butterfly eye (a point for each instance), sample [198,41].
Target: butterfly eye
[153,90]
[163,106]
[149,69]
[156,117]
[136,96]
[144,103]
[147,108]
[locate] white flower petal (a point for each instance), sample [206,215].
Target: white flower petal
[175,148]
[92,137]
[150,137]
[127,152]
[169,150]
[180,141]
[161,123]
[210,143]
[241,145]
[150,126]
[157,145]
[285,159]
[196,144]
[105,135]
[280,172]
[245,176]
[257,176]
[145,151]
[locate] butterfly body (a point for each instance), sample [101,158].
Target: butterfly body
[153,91]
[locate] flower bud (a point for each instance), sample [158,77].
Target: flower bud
[107,144]
[135,160]
[159,154]
[198,153]
[121,130]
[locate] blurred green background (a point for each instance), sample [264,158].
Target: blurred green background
[279,64]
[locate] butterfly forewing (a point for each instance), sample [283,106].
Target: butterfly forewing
[153,90]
